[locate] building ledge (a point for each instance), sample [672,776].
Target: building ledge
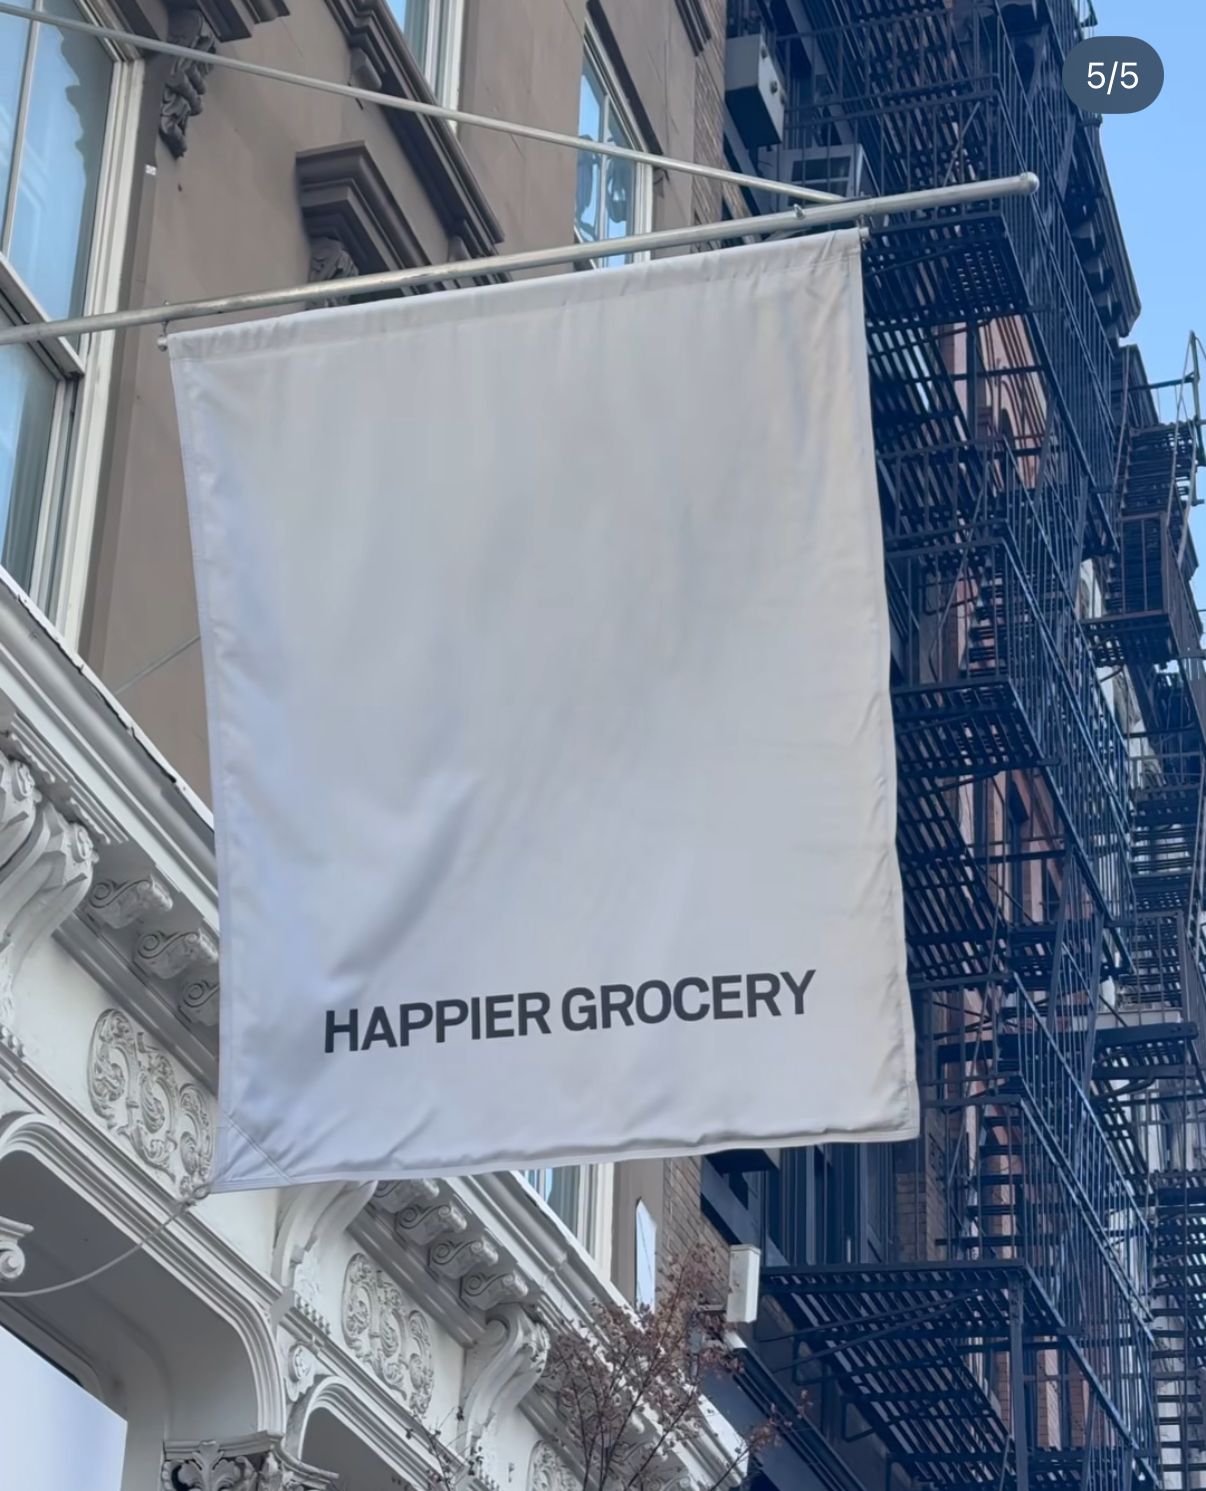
[384,62]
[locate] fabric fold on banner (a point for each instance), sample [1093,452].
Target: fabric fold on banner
[547,664]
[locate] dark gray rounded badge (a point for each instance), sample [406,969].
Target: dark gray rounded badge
[1113,74]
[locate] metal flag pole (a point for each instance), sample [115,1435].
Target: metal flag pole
[420,106]
[831,214]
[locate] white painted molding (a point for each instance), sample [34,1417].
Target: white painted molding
[502,1369]
[12,1259]
[257,1463]
[311,1218]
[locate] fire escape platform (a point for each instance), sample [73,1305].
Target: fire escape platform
[901,1340]
[969,729]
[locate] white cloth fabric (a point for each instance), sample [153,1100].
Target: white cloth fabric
[546,653]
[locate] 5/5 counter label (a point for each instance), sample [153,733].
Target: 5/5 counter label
[1113,74]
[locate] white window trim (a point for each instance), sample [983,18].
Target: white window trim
[448,90]
[642,195]
[443,50]
[594,1221]
[60,578]
[67,513]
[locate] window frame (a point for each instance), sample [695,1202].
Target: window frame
[592,1224]
[615,97]
[83,373]
[443,49]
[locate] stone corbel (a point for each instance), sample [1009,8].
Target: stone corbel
[201,25]
[164,956]
[428,1217]
[501,1369]
[487,1291]
[122,903]
[256,1463]
[184,89]
[45,874]
[454,1257]
[424,1224]
[329,260]
[12,1258]
[394,1195]
[309,1220]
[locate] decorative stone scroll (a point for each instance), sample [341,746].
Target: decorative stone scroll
[134,1088]
[12,1258]
[547,1471]
[390,1338]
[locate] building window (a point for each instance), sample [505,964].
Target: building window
[646,1257]
[615,197]
[433,30]
[562,1189]
[57,93]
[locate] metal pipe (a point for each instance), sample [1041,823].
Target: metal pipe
[398,279]
[420,106]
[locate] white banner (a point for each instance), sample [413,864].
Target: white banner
[546,651]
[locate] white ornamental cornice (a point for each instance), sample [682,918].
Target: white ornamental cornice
[442,1233]
[101,842]
[72,748]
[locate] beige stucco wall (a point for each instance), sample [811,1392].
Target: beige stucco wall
[225,218]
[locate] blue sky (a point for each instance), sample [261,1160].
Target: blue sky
[1157,162]
[1157,166]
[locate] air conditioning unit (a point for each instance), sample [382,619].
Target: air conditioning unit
[754,90]
[840,169]
[745,1266]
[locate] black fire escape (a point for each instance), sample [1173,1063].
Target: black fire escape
[1040,1318]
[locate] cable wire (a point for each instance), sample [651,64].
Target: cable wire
[161,1226]
[132,39]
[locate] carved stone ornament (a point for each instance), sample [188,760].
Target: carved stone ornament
[166,954]
[502,1368]
[487,1291]
[392,1340]
[454,1257]
[12,1258]
[423,1224]
[307,1291]
[396,1195]
[329,260]
[199,1001]
[120,903]
[134,1088]
[256,1464]
[45,872]
[547,1471]
[300,1366]
[184,90]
